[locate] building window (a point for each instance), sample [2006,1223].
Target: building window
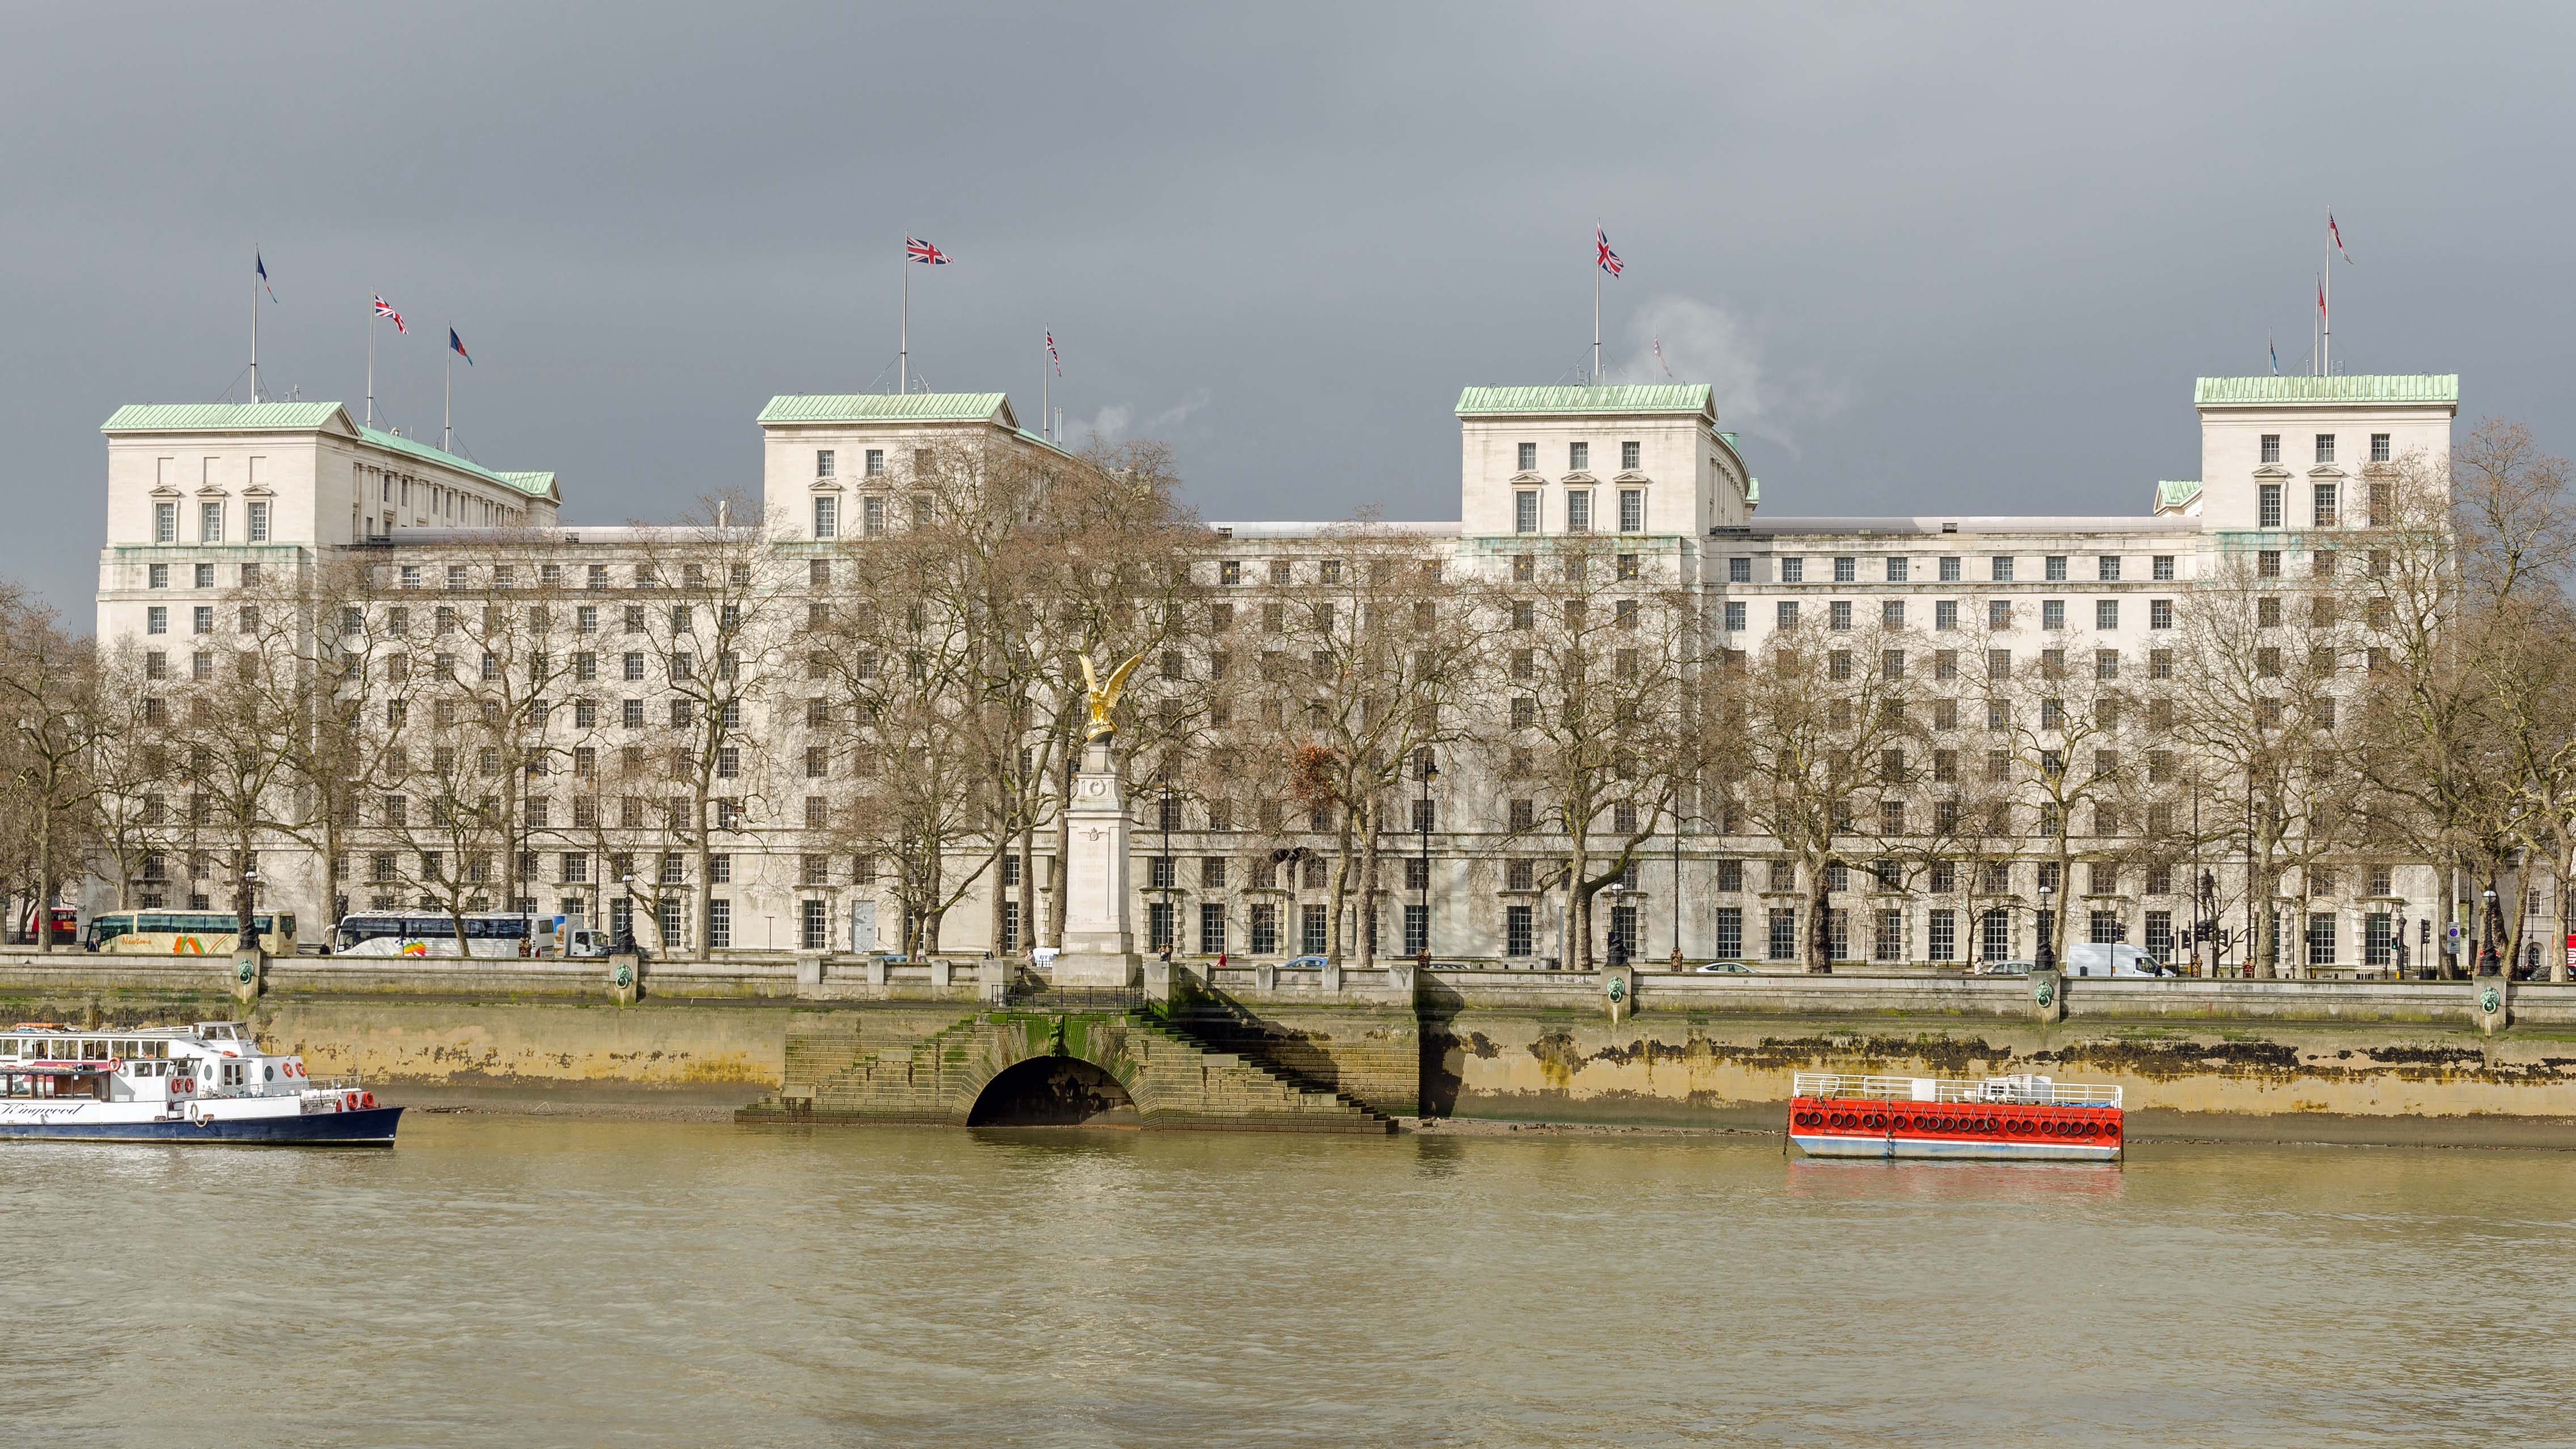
[719,924]
[1785,614]
[202,620]
[2054,566]
[1949,568]
[2271,447]
[2107,568]
[2268,506]
[1945,614]
[1735,615]
[1211,929]
[2160,613]
[2106,613]
[156,620]
[1578,510]
[165,523]
[210,523]
[1525,508]
[822,462]
[1529,457]
[1942,942]
[1891,614]
[1841,614]
[1793,571]
[2321,925]
[2325,447]
[1846,570]
[1739,571]
[1730,933]
[1314,925]
[257,519]
[1629,455]
[2003,569]
[2324,497]
[1578,456]
[1899,570]
[1519,939]
[2164,568]
[2267,563]
[2379,448]
[2052,613]
[1632,510]
[827,517]
[874,462]
[1783,928]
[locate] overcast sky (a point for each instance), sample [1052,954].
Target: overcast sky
[1954,259]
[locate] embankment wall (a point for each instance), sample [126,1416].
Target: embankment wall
[2358,1061]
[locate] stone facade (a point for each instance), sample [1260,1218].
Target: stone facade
[2283,462]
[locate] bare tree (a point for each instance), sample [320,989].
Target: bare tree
[1599,652]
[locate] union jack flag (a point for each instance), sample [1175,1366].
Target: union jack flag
[915,249]
[386,309]
[1608,259]
[1051,357]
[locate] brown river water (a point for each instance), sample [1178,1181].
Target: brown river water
[519,1281]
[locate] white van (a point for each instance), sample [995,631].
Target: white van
[2088,958]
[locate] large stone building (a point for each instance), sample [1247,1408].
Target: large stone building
[204,501]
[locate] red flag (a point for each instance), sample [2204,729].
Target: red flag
[2337,235]
[2321,299]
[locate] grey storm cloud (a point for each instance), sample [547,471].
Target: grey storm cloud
[1973,254]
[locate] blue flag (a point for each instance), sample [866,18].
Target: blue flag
[456,345]
[261,266]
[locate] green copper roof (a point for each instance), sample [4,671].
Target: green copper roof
[872,407]
[2173,491]
[445,459]
[303,417]
[1684,397]
[218,417]
[2251,391]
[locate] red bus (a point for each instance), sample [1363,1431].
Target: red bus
[22,932]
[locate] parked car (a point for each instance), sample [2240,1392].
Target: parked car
[1725,968]
[1305,961]
[2001,968]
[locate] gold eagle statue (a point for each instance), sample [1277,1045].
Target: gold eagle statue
[1104,697]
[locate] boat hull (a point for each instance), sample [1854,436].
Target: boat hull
[1974,1132]
[365,1127]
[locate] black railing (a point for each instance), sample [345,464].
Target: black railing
[1036,997]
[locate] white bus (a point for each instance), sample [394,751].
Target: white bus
[487,935]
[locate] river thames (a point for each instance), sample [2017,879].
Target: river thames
[518,1280]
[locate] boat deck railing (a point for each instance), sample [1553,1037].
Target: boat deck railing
[2019,1090]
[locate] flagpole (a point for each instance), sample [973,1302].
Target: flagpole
[254,322]
[371,365]
[2325,302]
[447,404]
[903,334]
[1043,428]
[1596,306]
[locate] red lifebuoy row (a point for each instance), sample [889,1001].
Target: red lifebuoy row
[357,1101]
[1998,1126]
[296,1069]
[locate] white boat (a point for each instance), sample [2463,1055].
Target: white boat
[207,1082]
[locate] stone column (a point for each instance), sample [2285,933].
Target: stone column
[2048,995]
[1099,937]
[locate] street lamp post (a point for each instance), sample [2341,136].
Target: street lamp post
[2206,907]
[1430,772]
[1677,889]
[249,902]
[1171,869]
[626,931]
[2487,934]
[2047,931]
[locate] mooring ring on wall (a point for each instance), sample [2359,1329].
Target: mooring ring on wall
[2490,1000]
[2046,993]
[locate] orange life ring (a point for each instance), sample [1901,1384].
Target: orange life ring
[367,1100]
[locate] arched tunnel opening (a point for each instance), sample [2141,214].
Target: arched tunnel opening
[1053,1092]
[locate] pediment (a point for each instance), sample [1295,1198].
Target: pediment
[2271,470]
[2325,470]
[1529,477]
[213,490]
[1579,477]
[1631,475]
[825,485]
[258,490]
[164,490]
